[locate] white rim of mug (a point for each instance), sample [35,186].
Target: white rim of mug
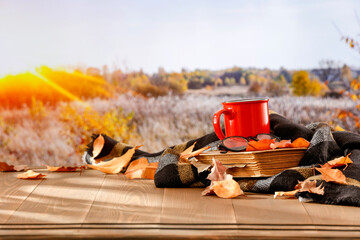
[248,100]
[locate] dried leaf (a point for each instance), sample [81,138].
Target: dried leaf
[263,144]
[186,152]
[208,191]
[141,168]
[218,171]
[4,167]
[340,161]
[300,143]
[98,145]
[310,186]
[185,157]
[332,175]
[288,194]
[281,144]
[30,174]
[63,168]
[228,188]
[115,165]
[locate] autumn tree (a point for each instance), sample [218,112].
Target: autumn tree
[302,85]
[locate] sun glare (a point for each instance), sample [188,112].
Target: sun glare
[55,86]
[51,86]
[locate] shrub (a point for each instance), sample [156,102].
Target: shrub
[82,123]
[302,85]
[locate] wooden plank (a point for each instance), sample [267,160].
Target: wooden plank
[333,214]
[173,234]
[60,198]
[186,205]
[126,201]
[264,209]
[13,192]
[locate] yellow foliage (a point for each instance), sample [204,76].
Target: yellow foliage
[302,85]
[83,123]
[37,110]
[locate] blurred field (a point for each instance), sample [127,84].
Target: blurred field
[56,135]
[47,116]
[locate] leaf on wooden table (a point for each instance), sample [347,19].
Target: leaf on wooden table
[141,168]
[115,165]
[19,168]
[310,186]
[287,194]
[30,174]
[227,188]
[222,184]
[281,144]
[4,167]
[300,143]
[64,168]
[332,175]
[340,161]
[208,191]
[98,145]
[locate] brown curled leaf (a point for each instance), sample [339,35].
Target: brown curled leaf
[185,157]
[4,167]
[310,186]
[340,161]
[141,168]
[30,174]
[98,146]
[332,175]
[218,171]
[287,194]
[115,165]
[63,168]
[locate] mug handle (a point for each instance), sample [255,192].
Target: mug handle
[216,122]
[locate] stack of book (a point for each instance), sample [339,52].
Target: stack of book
[256,163]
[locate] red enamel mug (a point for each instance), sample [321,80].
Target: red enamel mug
[245,118]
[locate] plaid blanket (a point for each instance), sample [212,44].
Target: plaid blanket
[325,145]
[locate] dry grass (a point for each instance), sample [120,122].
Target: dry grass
[44,138]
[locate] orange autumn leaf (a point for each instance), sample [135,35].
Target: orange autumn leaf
[227,188]
[310,186]
[222,184]
[98,145]
[218,171]
[263,144]
[4,167]
[332,175]
[63,168]
[137,164]
[30,174]
[340,161]
[288,194]
[186,152]
[185,157]
[281,144]
[300,143]
[141,168]
[115,165]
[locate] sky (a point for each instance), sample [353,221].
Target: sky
[173,34]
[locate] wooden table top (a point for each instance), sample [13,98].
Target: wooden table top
[67,205]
